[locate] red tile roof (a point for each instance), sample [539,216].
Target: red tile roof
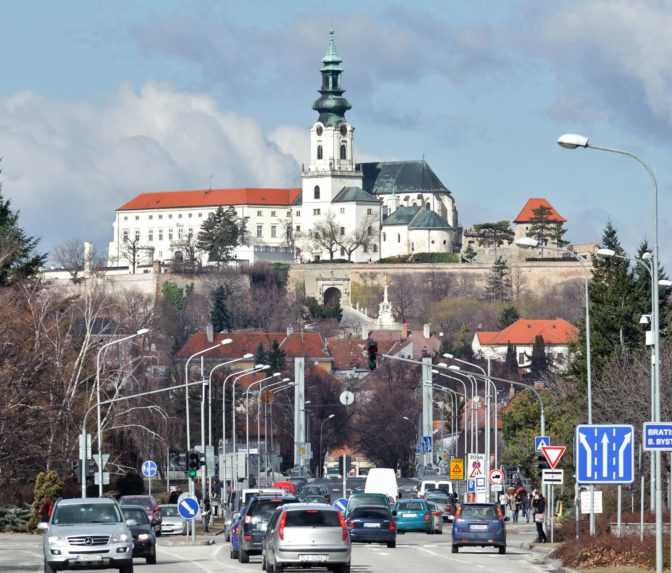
[212,198]
[349,353]
[526,214]
[556,331]
[310,344]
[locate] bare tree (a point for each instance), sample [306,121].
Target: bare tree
[325,234]
[135,253]
[191,254]
[70,257]
[364,236]
[403,294]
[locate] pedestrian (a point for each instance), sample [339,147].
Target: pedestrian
[46,507]
[205,514]
[525,504]
[174,495]
[517,506]
[539,511]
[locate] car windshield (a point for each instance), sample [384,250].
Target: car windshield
[145,502]
[411,505]
[478,512]
[169,511]
[312,518]
[138,514]
[86,513]
[370,513]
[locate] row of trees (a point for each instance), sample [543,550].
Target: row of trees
[328,235]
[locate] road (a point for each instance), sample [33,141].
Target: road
[414,552]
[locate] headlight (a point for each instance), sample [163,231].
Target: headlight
[55,539]
[143,537]
[122,538]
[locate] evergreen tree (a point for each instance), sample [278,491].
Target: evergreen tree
[18,259]
[642,282]
[317,311]
[260,356]
[508,316]
[498,285]
[511,362]
[539,363]
[469,254]
[495,234]
[220,316]
[276,358]
[544,230]
[220,234]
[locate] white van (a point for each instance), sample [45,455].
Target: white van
[430,484]
[382,480]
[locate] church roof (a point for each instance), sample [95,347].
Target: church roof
[426,219]
[399,177]
[526,214]
[402,216]
[348,194]
[212,198]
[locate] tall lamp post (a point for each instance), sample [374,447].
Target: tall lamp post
[575,141]
[329,417]
[466,400]
[100,429]
[247,418]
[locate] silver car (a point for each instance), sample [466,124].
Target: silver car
[87,533]
[171,522]
[307,535]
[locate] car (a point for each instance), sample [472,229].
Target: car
[372,525]
[287,486]
[144,540]
[248,493]
[435,484]
[366,499]
[89,533]
[307,535]
[479,524]
[382,480]
[315,494]
[228,524]
[444,501]
[298,481]
[152,508]
[236,527]
[413,515]
[171,522]
[253,525]
[437,517]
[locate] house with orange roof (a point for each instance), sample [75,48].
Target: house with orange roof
[529,215]
[558,335]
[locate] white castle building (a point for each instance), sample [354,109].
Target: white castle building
[368,210]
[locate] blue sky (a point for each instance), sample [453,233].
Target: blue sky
[100,101]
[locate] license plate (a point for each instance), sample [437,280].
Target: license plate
[372,525]
[312,558]
[408,515]
[88,558]
[478,527]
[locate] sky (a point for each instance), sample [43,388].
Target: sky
[100,101]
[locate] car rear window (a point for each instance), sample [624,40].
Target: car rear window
[478,512]
[438,497]
[86,513]
[169,511]
[312,518]
[263,509]
[369,499]
[138,514]
[412,505]
[370,513]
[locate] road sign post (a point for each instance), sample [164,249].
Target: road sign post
[540,441]
[456,469]
[149,470]
[553,454]
[189,509]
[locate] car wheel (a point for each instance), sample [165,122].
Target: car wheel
[277,568]
[455,549]
[502,549]
[391,544]
[48,568]
[126,568]
[151,560]
[243,556]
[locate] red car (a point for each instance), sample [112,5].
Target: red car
[288,486]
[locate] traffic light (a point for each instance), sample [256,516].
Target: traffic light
[193,463]
[372,347]
[542,464]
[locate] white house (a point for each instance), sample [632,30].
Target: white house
[558,335]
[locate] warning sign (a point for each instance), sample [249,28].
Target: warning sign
[456,469]
[476,466]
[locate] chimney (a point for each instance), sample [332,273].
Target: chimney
[210,332]
[88,257]
[404,331]
[425,331]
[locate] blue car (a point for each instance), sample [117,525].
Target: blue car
[372,525]
[413,515]
[235,533]
[479,524]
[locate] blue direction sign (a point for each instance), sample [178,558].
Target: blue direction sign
[605,453]
[471,485]
[658,436]
[341,504]
[188,508]
[427,444]
[149,469]
[540,441]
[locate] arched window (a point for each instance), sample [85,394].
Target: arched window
[319,152]
[316,192]
[427,206]
[344,151]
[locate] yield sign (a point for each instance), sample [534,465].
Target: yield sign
[553,454]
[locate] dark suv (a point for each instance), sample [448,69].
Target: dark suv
[150,506]
[253,528]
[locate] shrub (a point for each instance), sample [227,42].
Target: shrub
[48,487]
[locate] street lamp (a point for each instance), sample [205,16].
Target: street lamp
[100,429]
[329,417]
[247,419]
[259,394]
[274,392]
[574,141]
[466,400]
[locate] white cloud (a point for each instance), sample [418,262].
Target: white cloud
[67,166]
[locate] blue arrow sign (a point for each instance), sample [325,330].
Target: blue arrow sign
[149,469]
[605,453]
[341,504]
[188,508]
[427,444]
[540,441]
[471,485]
[658,436]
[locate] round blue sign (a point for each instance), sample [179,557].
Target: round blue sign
[188,508]
[341,504]
[149,469]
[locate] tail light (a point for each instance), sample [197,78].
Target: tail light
[344,526]
[281,525]
[247,537]
[458,512]
[500,515]
[392,526]
[427,516]
[349,524]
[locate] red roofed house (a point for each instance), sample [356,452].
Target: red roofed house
[558,335]
[528,214]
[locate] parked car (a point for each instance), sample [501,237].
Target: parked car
[253,525]
[372,525]
[367,499]
[437,517]
[171,522]
[89,533]
[412,515]
[144,540]
[236,529]
[152,508]
[479,524]
[315,494]
[444,501]
[382,480]
[307,535]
